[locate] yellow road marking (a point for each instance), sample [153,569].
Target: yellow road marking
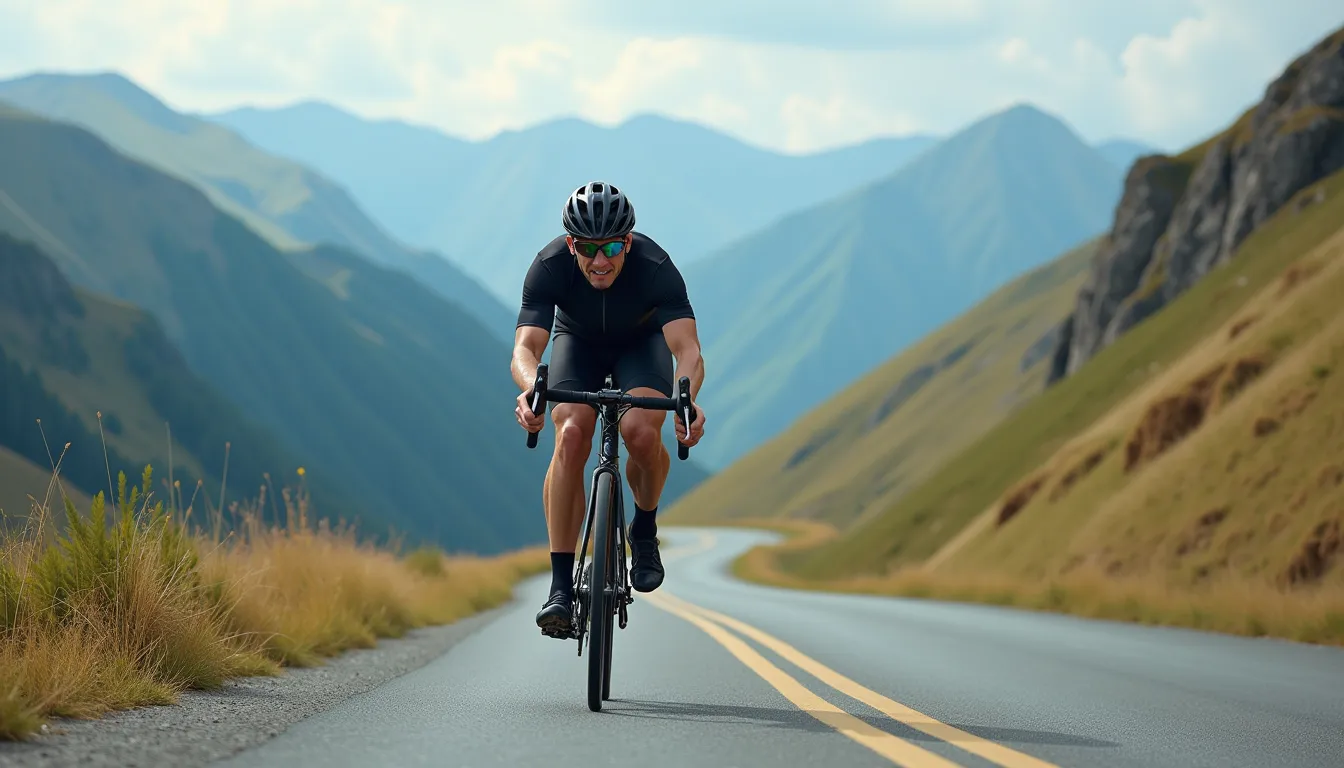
[989,750]
[895,749]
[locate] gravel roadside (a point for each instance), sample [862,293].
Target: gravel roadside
[210,725]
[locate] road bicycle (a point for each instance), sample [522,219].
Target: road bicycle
[595,609]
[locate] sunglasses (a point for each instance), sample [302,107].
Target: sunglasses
[589,250]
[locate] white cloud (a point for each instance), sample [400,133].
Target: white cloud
[835,24]
[1018,52]
[808,122]
[1216,62]
[609,84]
[786,76]
[510,64]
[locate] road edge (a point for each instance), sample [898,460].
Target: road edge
[205,726]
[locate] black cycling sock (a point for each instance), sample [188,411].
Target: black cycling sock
[562,572]
[644,525]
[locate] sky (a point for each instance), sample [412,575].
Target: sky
[790,76]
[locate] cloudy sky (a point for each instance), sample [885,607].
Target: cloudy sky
[783,74]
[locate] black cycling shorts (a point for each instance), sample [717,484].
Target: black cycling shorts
[583,366]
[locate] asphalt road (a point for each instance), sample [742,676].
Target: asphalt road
[780,678]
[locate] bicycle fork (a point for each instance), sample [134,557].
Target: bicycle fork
[618,594]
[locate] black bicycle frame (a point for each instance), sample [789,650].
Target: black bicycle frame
[608,462]
[608,402]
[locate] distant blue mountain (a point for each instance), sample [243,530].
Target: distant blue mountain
[493,204]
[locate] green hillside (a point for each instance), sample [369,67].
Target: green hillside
[289,205]
[883,434]
[1081,422]
[67,355]
[390,396]
[795,313]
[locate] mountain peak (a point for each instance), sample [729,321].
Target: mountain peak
[1023,116]
[1021,128]
[35,90]
[110,82]
[309,108]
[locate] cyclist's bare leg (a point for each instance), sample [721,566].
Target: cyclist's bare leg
[649,462]
[563,491]
[646,471]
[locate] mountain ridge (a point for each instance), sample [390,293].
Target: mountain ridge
[69,356]
[676,172]
[287,349]
[886,262]
[291,205]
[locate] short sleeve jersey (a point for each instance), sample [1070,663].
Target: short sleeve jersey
[648,293]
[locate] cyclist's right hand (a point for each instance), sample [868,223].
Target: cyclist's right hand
[532,422]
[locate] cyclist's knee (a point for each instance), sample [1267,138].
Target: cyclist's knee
[574,436]
[641,437]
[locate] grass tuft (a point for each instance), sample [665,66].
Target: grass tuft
[128,606]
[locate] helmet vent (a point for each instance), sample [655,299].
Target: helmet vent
[598,210]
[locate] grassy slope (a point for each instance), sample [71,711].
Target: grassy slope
[1245,492]
[969,484]
[887,431]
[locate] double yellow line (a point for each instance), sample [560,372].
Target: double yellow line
[890,746]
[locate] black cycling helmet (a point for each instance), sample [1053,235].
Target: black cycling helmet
[598,211]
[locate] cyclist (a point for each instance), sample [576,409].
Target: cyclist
[619,307]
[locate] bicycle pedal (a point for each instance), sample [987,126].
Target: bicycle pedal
[559,634]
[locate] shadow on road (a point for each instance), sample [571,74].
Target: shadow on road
[803,721]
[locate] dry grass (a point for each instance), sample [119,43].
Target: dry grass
[1170,419]
[1019,498]
[1232,604]
[129,606]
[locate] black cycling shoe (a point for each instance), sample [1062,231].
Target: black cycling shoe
[556,617]
[646,566]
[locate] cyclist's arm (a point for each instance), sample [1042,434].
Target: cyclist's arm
[535,317]
[684,342]
[678,320]
[529,341]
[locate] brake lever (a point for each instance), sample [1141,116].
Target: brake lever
[684,414]
[538,400]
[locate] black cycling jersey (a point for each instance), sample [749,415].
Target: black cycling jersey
[648,293]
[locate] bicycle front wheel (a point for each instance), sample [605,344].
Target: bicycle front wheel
[601,595]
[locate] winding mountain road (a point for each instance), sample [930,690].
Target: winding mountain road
[713,671]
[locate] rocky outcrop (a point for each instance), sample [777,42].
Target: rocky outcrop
[1152,189]
[1180,217]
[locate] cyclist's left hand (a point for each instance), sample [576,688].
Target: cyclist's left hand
[697,427]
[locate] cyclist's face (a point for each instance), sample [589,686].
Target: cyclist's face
[600,260]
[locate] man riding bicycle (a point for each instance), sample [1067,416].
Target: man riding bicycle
[630,328]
